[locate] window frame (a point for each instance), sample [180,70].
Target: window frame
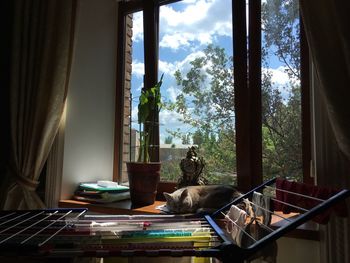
[247,88]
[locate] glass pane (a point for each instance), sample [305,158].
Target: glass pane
[134,72]
[281,126]
[195,55]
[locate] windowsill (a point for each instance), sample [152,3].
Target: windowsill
[307,231]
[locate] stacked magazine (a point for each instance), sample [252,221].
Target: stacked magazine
[101,192]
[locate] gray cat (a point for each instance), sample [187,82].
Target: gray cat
[200,199]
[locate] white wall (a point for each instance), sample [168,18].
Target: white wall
[291,250]
[89,131]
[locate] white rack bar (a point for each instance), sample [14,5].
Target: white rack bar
[285,203]
[21,222]
[8,221]
[26,228]
[294,193]
[41,230]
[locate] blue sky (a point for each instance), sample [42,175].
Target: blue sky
[186,28]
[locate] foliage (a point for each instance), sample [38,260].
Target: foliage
[207,104]
[186,139]
[281,129]
[281,117]
[168,140]
[206,100]
[170,170]
[148,110]
[207,97]
[280,23]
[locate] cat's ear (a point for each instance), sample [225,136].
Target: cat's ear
[168,197]
[184,194]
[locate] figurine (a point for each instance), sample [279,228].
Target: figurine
[191,167]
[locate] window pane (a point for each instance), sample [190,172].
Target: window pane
[281,100]
[134,72]
[195,55]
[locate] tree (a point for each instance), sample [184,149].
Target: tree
[197,138]
[206,101]
[281,30]
[207,98]
[168,140]
[207,104]
[186,139]
[281,117]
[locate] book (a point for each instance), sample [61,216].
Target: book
[88,193]
[96,187]
[103,197]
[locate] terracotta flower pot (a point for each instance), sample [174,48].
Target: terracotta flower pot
[143,182]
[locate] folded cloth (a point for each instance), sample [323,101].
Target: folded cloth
[235,222]
[261,207]
[323,193]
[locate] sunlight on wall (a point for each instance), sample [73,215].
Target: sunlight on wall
[89,133]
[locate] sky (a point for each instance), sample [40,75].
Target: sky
[186,28]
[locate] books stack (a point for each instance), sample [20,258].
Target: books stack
[101,192]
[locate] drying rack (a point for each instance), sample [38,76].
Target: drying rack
[66,233]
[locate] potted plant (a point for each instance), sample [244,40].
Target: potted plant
[144,175]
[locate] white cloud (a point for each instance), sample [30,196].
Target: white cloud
[184,65]
[172,93]
[281,80]
[138,68]
[279,76]
[137,30]
[176,40]
[170,89]
[166,67]
[199,21]
[167,117]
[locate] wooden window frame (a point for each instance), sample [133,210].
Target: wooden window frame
[247,88]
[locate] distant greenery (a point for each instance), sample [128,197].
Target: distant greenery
[168,140]
[206,103]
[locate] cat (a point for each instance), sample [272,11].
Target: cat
[200,199]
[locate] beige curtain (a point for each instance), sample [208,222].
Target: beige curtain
[332,167]
[327,30]
[42,50]
[326,25]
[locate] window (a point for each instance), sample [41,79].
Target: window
[281,90]
[195,52]
[229,117]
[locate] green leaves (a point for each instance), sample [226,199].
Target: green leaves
[143,108]
[149,101]
[148,110]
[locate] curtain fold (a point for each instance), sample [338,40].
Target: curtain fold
[43,33]
[326,23]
